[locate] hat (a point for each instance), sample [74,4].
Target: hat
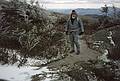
[74,12]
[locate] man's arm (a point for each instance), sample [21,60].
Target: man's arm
[81,25]
[66,27]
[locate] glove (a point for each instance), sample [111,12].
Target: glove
[81,33]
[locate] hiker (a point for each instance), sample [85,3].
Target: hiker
[74,28]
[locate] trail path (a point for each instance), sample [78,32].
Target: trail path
[85,55]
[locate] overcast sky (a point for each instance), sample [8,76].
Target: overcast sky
[63,4]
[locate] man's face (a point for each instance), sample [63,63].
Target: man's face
[74,16]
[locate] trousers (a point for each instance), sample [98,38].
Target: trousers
[74,41]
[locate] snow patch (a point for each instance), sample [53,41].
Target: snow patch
[104,56]
[13,73]
[110,38]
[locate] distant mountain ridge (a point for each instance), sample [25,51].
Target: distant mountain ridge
[83,11]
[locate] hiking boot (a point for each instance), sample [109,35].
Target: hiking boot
[78,53]
[72,51]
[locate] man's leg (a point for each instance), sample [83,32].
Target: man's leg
[71,37]
[76,40]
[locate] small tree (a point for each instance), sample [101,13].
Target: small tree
[105,10]
[104,18]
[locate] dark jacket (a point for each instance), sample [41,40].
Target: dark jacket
[76,26]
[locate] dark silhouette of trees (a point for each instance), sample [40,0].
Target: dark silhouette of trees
[105,10]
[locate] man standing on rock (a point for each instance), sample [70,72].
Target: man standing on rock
[74,28]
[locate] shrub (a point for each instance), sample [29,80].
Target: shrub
[29,29]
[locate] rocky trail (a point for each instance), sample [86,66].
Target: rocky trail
[85,55]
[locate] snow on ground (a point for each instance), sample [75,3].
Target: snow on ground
[110,38]
[24,73]
[13,73]
[104,56]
